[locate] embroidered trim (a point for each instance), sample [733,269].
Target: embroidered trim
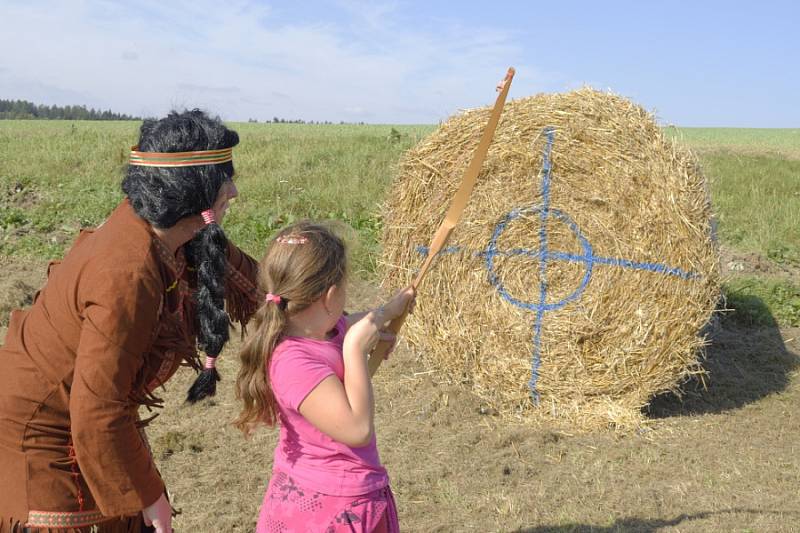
[164,370]
[76,475]
[65,519]
[180,159]
[177,264]
[243,284]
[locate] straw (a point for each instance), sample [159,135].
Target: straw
[646,285]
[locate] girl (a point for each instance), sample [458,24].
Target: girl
[305,365]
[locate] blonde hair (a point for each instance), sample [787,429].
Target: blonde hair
[300,265]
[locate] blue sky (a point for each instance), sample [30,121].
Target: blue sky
[696,63]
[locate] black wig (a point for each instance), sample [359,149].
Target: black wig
[163,196]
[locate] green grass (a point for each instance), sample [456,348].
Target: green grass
[757,202]
[56,177]
[763,301]
[784,142]
[59,176]
[287,172]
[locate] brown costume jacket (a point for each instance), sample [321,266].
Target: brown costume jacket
[114,320]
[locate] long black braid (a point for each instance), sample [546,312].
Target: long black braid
[162,196]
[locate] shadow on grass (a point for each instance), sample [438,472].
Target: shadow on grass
[641,525]
[746,361]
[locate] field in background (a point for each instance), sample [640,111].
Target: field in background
[59,176]
[722,458]
[773,141]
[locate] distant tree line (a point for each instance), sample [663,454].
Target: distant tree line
[22,109]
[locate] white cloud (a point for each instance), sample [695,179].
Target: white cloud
[240,62]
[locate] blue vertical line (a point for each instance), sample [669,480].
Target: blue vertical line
[544,255]
[543,215]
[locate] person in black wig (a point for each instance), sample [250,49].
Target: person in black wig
[130,302]
[163,195]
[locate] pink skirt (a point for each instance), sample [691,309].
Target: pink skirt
[289,508]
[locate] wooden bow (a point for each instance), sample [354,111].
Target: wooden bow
[457,206]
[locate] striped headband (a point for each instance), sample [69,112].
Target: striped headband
[180,159]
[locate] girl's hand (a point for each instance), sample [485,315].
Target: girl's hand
[402,302]
[397,305]
[159,515]
[364,335]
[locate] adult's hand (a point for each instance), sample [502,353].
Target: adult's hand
[159,515]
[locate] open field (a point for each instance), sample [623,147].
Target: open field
[284,171]
[777,142]
[722,458]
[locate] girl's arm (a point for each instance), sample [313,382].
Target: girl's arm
[345,411]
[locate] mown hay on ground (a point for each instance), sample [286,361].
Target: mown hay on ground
[582,290]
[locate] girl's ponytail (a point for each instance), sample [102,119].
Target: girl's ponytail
[302,262]
[252,385]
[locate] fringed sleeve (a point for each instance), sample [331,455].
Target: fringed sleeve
[242,295]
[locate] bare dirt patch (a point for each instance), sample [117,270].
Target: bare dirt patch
[19,283]
[735,263]
[19,195]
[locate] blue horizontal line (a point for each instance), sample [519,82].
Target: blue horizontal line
[425,250]
[575,258]
[652,267]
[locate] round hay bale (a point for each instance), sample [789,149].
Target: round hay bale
[584,266]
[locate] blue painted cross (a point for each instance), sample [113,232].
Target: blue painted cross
[545,255]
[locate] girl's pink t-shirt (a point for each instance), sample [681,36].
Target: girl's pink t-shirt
[312,458]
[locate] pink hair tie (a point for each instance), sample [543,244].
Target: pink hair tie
[208,216]
[274,298]
[211,362]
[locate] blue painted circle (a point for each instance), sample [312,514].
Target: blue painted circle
[492,251]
